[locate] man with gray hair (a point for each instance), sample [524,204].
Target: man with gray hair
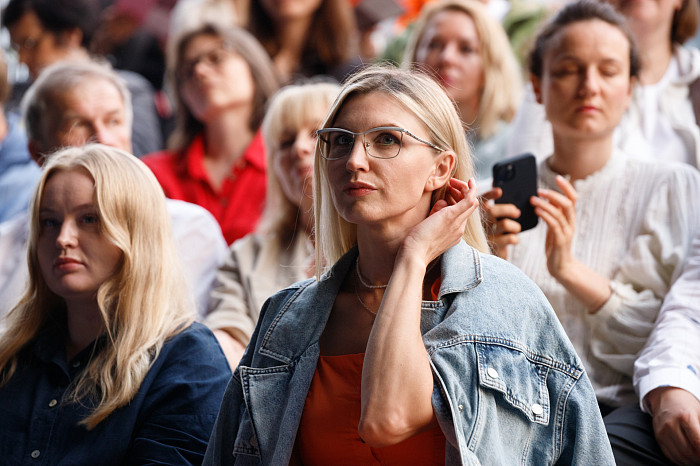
[71,104]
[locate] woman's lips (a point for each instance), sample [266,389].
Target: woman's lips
[66,264]
[358,188]
[587,109]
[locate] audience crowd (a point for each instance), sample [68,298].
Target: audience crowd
[183,206]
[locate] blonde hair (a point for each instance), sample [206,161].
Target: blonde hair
[502,90]
[424,98]
[292,107]
[142,305]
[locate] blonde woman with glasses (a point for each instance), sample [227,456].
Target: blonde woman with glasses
[101,361]
[411,345]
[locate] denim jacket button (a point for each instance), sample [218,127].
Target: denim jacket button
[537,409]
[461,408]
[493,373]
[53,403]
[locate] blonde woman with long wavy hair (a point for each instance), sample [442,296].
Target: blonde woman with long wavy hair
[100,360]
[412,345]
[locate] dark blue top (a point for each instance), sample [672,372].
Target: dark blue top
[168,421]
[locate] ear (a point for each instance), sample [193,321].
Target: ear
[536,87]
[35,151]
[442,171]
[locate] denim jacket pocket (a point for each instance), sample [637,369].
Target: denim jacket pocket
[246,441]
[520,379]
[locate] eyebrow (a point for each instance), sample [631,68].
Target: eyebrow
[49,209]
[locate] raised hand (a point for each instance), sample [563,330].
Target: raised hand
[559,213]
[501,229]
[444,226]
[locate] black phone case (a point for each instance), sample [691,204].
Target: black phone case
[517,177]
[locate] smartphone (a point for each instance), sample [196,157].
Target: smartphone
[517,177]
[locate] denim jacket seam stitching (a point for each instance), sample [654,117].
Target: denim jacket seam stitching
[559,421]
[573,372]
[266,339]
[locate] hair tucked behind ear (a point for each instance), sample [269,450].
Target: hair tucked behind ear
[142,305]
[423,97]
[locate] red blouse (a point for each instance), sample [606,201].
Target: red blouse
[237,206]
[328,430]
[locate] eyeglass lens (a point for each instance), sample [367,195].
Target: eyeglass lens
[211,58]
[380,143]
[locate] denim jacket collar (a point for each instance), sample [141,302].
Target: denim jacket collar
[323,295]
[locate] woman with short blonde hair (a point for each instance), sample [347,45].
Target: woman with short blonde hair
[107,298]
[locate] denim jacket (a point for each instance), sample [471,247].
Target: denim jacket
[508,386]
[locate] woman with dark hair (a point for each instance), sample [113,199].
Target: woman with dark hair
[661,121]
[412,345]
[614,231]
[216,155]
[306,37]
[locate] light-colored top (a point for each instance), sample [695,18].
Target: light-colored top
[671,357]
[198,241]
[634,224]
[256,267]
[490,150]
[658,123]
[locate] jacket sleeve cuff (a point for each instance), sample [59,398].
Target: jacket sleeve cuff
[669,377]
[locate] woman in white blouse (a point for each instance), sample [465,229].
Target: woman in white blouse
[614,231]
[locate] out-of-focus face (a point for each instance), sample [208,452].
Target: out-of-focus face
[392,193]
[213,78]
[92,111]
[287,10]
[294,163]
[74,255]
[451,47]
[585,85]
[37,47]
[643,14]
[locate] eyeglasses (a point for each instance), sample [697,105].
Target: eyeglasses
[212,58]
[28,43]
[384,142]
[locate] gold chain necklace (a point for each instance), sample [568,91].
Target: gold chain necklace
[359,275]
[364,306]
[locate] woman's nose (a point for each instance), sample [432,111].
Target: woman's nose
[358,159]
[448,53]
[590,82]
[304,145]
[67,235]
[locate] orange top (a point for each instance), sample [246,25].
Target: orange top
[328,429]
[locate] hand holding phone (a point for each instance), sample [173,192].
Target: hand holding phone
[517,178]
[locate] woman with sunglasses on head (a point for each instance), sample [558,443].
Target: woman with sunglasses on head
[280,251]
[614,231]
[216,155]
[411,345]
[100,361]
